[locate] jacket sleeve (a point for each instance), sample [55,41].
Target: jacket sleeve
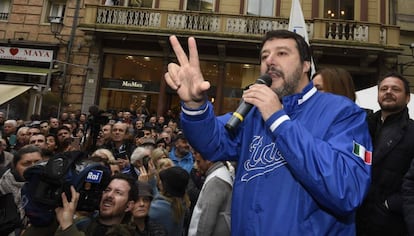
[214,197]
[408,198]
[211,139]
[70,231]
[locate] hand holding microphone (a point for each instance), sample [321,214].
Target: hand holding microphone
[244,107]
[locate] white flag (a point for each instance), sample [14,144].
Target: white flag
[297,25]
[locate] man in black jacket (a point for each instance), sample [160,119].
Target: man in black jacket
[392,133]
[408,199]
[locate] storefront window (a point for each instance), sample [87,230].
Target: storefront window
[127,80]
[238,77]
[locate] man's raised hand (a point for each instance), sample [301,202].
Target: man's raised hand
[186,77]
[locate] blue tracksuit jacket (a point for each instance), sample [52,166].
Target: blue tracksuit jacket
[302,172]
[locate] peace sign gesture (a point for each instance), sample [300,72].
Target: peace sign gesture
[186,77]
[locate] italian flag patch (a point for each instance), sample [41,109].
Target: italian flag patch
[361,152]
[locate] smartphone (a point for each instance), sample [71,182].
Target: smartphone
[145,161]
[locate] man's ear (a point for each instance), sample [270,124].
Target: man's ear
[130,206]
[306,66]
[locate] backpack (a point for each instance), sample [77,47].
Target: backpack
[9,214]
[47,180]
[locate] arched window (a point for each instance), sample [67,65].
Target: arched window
[339,9]
[4,9]
[260,7]
[200,5]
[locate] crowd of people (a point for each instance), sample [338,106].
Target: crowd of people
[306,160]
[148,153]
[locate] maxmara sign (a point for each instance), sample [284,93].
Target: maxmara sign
[132,84]
[123,84]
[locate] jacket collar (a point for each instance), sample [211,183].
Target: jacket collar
[290,102]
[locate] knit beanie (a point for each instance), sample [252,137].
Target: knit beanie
[174,180]
[144,190]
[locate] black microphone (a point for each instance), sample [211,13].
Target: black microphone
[244,107]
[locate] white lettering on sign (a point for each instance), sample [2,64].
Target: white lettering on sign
[92,176]
[26,54]
[132,84]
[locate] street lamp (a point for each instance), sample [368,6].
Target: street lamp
[56,26]
[405,65]
[412,49]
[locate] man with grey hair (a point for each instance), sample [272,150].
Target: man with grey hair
[5,156]
[139,161]
[9,133]
[22,137]
[1,123]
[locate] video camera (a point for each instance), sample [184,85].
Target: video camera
[46,181]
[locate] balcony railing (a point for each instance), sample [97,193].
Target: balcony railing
[233,26]
[4,15]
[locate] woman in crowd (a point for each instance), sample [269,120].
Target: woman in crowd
[13,180]
[141,224]
[171,204]
[335,80]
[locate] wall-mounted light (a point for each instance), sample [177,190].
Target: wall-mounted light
[56,26]
[404,66]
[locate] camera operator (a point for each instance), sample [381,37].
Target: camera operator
[104,136]
[95,121]
[114,210]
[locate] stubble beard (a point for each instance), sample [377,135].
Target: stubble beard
[290,84]
[392,108]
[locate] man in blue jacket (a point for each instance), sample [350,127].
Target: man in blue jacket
[181,154]
[303,156]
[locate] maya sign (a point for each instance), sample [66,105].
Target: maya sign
[26,54]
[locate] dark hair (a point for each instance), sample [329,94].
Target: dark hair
[338,81]
[302,46]
[94,110]
[39,134]
[62,127]
[52,135]
[133,192]
[398,76]
[34,117]
[25,150]
[44,121]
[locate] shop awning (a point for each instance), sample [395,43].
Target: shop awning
[26,70]
[8,92]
